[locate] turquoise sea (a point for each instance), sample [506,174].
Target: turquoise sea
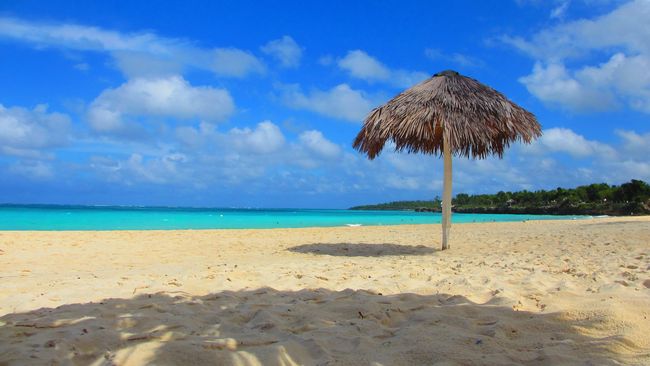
[49,217]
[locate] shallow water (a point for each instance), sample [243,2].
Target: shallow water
[45,217]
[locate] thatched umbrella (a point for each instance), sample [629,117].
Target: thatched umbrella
[448,114]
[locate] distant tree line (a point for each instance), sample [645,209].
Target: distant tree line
[631,198]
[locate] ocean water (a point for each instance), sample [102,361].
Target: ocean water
[46,217]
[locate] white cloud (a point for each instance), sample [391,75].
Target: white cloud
[627,76]
[285,50]
[163,97]
[622,171]
[593,161]
[362,66]
[625,28]
[340,102]
[454,58]
[154,171]
[635,145]
[79,37]
[317,143]
[560,10]
[135,54]
[264,139]
[212,157]
[25,132]
[523,167]
[166,168]
[33,169]
[553,84]
[622,35]
[195,137]
[145,65]
[567,141]
[235,62]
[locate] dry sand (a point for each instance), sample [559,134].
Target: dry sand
[534,293]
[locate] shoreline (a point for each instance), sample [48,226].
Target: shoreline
[571,290]
[351,225]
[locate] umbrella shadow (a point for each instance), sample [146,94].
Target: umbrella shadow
[361,249]
[316,326]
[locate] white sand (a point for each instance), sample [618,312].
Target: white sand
[537,293]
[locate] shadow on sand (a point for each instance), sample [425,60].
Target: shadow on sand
[362,250]
[310,327]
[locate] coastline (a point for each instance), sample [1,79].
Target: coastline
[552,291]
[28,218]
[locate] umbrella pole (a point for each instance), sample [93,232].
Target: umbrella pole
[446,196]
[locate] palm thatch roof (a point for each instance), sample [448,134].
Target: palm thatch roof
[476,120]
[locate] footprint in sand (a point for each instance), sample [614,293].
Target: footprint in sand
[487,326]
[487,321]
[175,282]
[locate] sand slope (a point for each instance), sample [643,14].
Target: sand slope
[537,293]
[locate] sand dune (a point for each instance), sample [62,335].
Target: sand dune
[536,293]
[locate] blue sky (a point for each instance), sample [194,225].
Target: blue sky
[255,104]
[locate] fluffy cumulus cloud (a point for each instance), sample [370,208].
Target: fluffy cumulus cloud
[553,84]
[314,141]
[631,160]
[622,28]
[160,97]
[583,161]
[264,139]
[164,168]
[285,50]
[204,156]
[635,145]
[621,37]
[575,65]
[340,102]
[358,64]
[135,54]
[567,141]
[28,132]
[561,157]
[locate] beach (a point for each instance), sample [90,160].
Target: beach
[535,293]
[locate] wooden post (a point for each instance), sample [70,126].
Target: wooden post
[446,195]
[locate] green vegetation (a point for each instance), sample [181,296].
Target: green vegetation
[632,198]
[402,205]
